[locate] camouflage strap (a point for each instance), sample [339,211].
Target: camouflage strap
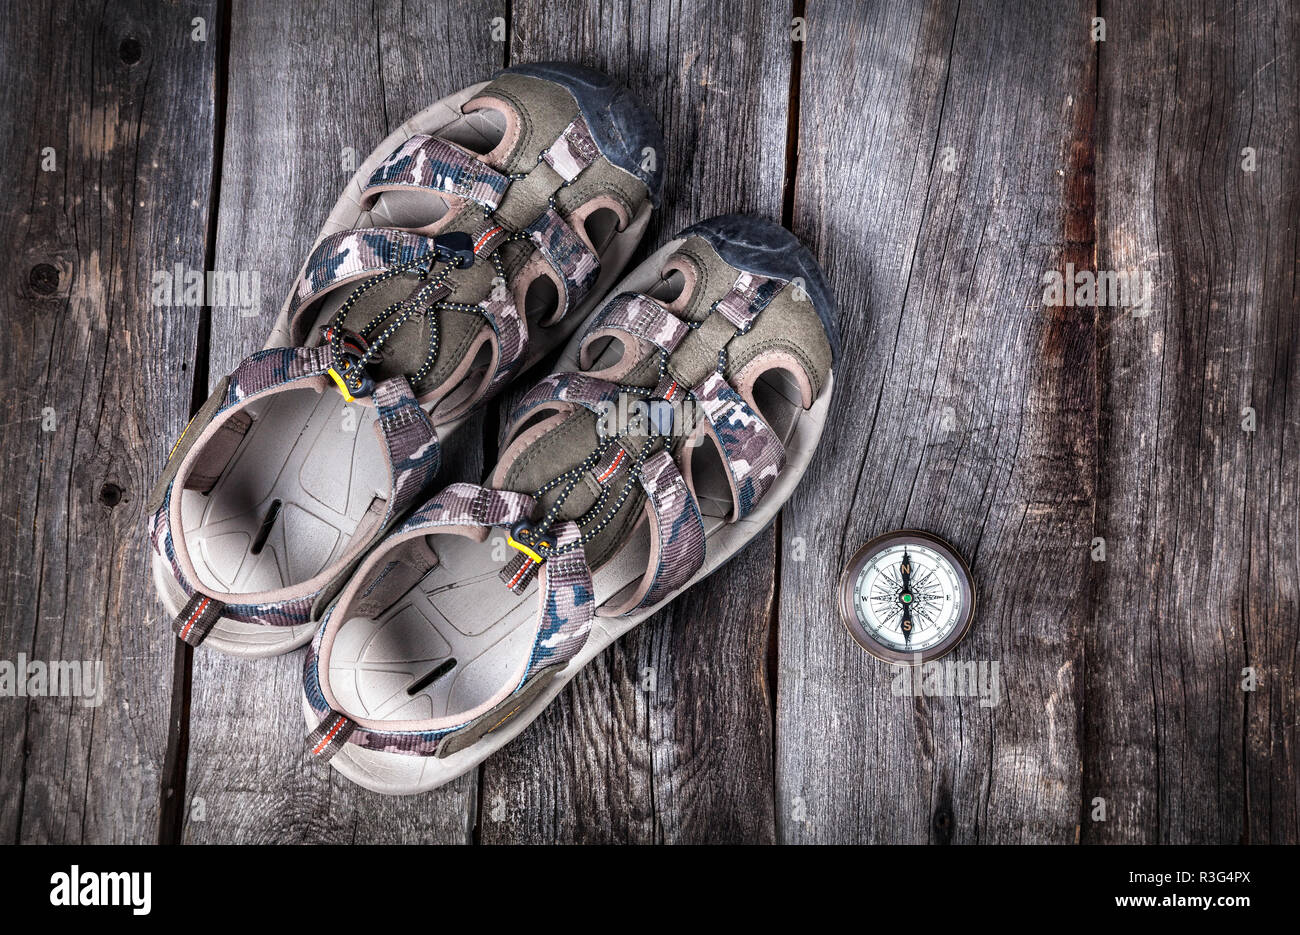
[329,736]
[677,540]
[432,164]
[748,296]
[351,255]
[637,315]
[413,451]
[197,618]
[579,389]
[753,453]
[575,265]
[511,332]
[566,603]
[572,151]
[469,505]
[274,368]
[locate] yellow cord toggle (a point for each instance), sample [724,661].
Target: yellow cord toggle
[343,387]
[514,543]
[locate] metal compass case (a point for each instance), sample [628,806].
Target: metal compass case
[907,597]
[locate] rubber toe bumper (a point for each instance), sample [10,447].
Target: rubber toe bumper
[620,124]
[765,248]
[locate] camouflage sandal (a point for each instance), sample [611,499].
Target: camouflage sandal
[473,240]
[680,421]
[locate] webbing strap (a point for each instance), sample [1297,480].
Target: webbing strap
[748,296]
[470,505]
[350,255]
[433,164]
[414,454]
[577,388]
[329,736]
[511,330]
[197,618]
[752,451]
[572,151]
[677,543]
[567,603]
[575,265]
[637,315]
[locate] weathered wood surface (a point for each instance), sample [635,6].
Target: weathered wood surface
[95,380]
[1200,515]
[965,408]
[942,159]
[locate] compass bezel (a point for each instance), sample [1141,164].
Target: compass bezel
[847,598]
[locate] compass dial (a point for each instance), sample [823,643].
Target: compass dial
[907,597]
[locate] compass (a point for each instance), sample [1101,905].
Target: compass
[907,597]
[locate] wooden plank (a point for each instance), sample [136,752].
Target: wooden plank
[305,83]
[96,378]
[690,760]
[944,165]
[1199,514]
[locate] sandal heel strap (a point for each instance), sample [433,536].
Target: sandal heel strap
[197,618]
[329,736]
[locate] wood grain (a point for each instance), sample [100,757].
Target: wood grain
[305,82]
[939,173]
[95,380]
[690,760]
[1199,513]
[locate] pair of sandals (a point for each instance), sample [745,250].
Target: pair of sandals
[485,232]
